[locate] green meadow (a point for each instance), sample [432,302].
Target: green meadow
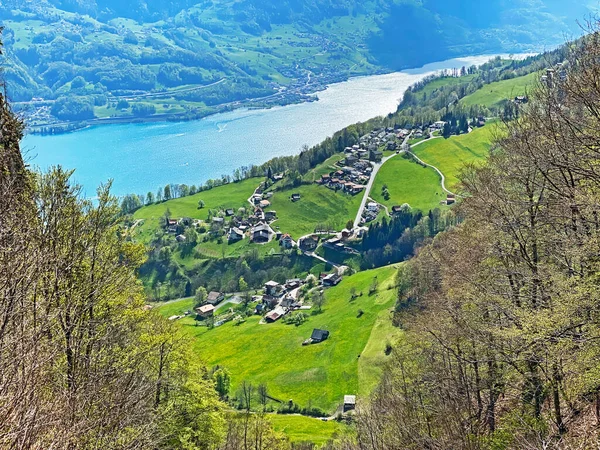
[320,374]
[307,429]
[408,182]
[317,205]
[494,93]
[452,154]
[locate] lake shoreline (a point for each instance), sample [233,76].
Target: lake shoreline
[287,99]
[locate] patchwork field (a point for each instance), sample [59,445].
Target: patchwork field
[320,374]
[408,182]
[318,205]
[494,93]
[451,155]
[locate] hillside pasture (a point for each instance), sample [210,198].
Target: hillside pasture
[273,353]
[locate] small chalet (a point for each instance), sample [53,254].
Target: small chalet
[214,298]
[270,215]
[235,234]
[272,288]
[205,311]
[396,209]
[262,233]
[286,241]
[349,402]
[450,199]
[319,336]
[293,283]
[218,220]
[229,212]
[333,279]
[309,243]
[295,197]
[180,238]
[276,314]
[264,204]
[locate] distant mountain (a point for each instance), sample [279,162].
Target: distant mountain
[97,48]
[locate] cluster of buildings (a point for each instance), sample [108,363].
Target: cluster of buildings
[338,243]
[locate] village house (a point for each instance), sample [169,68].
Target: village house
[295,197]
[172,226]
[287,242]
[372,206]
[396,209]
[235,234]
[309,243]
[270,215]
[450,199]
[276,314]
[294,283]
[180,238]
[375,155]
[229,212]
[262,233]
[205,311]
[333,279]
[214,298]
[218,221]
[273,288]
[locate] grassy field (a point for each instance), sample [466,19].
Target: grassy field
[318,205]
[232,195]
[451,155]
[493,93]
[273,354]
[408,182]
[306,429]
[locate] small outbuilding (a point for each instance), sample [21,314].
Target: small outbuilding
[349,402]
[319,335]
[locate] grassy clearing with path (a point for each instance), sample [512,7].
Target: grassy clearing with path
[450,155]
[273,353]
[317,205]
[494,93]
[408,182]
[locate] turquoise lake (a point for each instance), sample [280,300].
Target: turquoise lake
[142,157]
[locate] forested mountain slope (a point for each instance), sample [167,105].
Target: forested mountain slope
[255,45]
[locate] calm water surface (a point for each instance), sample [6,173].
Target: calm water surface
[142,157]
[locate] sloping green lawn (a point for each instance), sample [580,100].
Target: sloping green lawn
[232,195]
[450,155]
[317,205]
[273,353]
[408,182]
[306,429]
[493,93]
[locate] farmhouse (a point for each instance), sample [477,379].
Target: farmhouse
[214,298]
[262,233]
[235,234]
[333,279]
[276,314]
[287,242]
[309,243]
[264,204]
[272,288]
[205,311]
